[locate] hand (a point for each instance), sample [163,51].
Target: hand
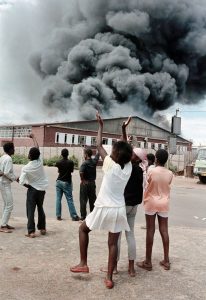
[84,182]
[99,119]
[130,139]
[31,135]
[126,123]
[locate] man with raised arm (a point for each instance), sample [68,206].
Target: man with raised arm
[33,177]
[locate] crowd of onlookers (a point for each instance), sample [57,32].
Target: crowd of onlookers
[130,177]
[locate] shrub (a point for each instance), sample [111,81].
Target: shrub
[172,168]
[51,162]
[20,159]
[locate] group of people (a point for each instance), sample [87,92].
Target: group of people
[115,207]
[128,180]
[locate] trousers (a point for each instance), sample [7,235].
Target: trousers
[35,199]
[7,202]
[130,237]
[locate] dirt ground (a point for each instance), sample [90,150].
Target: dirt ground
[38,269]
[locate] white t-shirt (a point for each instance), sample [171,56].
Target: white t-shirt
[111,193]
[6,166]
[34,175]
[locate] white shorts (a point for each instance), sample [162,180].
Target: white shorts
[161,214]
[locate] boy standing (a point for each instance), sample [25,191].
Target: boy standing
[88,185]
[33,177]
[64,186]
[7,176]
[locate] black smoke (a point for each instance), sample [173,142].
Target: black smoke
[108,54]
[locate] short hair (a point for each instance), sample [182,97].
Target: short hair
[151,157]
[88,152]
[8,147]
[34,153]
[65,152]
[124,152]
[161,156]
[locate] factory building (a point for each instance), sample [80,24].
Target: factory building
[74,134]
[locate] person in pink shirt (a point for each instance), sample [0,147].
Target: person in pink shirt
[156,203]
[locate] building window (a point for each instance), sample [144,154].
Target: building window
[145,145]
[105,141]
[16,132]
[113,141]
[159,146]
[65,138]
[57,138]
[166,147]
[153,146]
[73,137]
[93,141]
[81,140]
[138,144]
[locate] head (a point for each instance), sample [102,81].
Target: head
[64,153]
[88,153]
[138,155]
[34,153]
[150,159]
[161,157]
[9,148]
[121,153]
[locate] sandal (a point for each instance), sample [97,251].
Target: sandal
[108,283]
[165,265]
[31,235]
[79,269]
[5,230]
[131,273]
[144,265]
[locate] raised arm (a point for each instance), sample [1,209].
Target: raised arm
[32,136]
[102,152]
[124,126]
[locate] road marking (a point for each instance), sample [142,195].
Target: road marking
[195,217]
[203,219]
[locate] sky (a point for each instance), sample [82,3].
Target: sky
[15,70]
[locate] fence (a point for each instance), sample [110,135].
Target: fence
[180,160]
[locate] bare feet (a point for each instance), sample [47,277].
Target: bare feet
[105,270]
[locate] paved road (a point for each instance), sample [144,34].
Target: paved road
[188,200]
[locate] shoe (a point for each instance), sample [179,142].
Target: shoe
[10,227]
[59,218]
[76,218]
[43,231]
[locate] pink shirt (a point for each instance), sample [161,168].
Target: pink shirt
[157,193]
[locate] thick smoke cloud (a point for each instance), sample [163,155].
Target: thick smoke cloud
[111,54]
